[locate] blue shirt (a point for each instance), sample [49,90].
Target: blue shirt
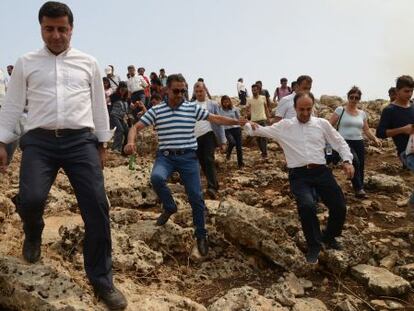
[175,126]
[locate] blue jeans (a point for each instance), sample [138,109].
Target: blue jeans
[188,167]
[408,161]
[305,183]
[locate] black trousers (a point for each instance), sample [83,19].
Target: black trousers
[262,141]
[205,152]
[78,156]
[234,139]
[304,184]
[358,151]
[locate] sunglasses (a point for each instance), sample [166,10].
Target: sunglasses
[178,91]
[354,97]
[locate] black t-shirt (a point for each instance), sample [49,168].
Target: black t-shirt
[265,93]
[393,117]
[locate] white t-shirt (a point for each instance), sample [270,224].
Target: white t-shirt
[202,127]
[2,86]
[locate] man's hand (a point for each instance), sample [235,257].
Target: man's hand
[130,148]
[242,122]
[349,170]
[102,155]
[254,125]
[3,158]
[377,143]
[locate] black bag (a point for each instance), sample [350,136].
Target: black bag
[334,157]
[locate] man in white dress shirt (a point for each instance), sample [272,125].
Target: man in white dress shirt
[285,109]
[303,141]
[67,127]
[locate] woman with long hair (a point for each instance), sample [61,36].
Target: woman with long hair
[233,132]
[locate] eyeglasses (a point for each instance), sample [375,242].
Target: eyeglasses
[354,97]
[178,91]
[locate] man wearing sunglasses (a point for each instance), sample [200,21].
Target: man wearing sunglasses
[174,121]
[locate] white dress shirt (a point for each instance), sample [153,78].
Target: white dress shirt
[202,127]
[304,143]
[62,92]
[285,109]
[136,83]
[241,87]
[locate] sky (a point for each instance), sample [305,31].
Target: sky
[339,43]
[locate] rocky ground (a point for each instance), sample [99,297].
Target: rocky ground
[256,259]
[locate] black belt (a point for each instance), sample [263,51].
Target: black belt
[309,166]
[60,132]
[168,152]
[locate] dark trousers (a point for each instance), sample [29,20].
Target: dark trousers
[234,139]
[358,151]
[42,157]
[121,132]
[304,184]
[242,97]
[205,152]
[262,141]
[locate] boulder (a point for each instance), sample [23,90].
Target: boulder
[309,304]
[245,298]
[386,183]
[380,280]
[38,287]
[260,230]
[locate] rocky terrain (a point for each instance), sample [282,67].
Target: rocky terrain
[256,259]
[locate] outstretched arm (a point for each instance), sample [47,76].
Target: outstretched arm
[130,147]
[215,118]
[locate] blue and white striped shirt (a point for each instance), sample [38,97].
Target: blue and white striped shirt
[175,127]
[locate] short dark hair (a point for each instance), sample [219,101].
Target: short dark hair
[155,96]
[293,84]
[176,77]
[139,68]
[240,80]
[404,81]
[254,85]
[131,67]
[200,80]
[258,83]
[302,78]
[302,94]
[283,80]
[354,90]
[392,90]
[55,9]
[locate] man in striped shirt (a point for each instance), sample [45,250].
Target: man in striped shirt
[174,121]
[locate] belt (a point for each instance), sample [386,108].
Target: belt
[176,152]
[60,132]
[309,166]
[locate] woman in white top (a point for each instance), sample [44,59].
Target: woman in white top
[351,122]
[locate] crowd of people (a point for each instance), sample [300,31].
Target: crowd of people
[69,127]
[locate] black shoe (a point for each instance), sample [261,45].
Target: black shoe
[211,193]
[332,244]
[113,298]
[163,218]
[312,255]
[202,245]
[31,250]
[361,194]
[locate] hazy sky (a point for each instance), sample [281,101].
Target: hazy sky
[339,43]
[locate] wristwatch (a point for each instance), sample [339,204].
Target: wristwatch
[103,145]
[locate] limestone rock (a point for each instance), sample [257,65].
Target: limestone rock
[245,298]
[260,230]
[380,280]
[381,182]
[355,251]
[309,304]
[128,188]
[39,287]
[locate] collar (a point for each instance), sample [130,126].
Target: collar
[173,108]
[62,54]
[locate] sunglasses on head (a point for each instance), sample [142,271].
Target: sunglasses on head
[354,97]
[178,91]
